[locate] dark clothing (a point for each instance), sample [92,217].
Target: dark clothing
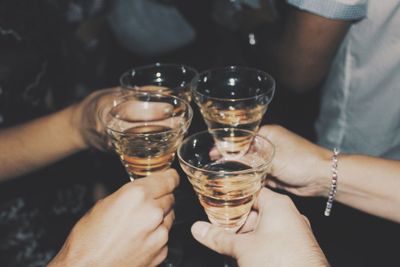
[50,51]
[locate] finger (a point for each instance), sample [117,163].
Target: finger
[135,111]
[215,238]
[160,183]
[166,203]
[261,198]
[306,220]
[251,223]
[169,219]
[275,185]
[264,198]
[159,257]
[269,131]
[270,183]
[215,154]
[159,237]
[105,97]
[155,242]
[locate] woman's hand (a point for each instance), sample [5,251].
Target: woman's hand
[299,166]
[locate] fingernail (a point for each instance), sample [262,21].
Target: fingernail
[200,229]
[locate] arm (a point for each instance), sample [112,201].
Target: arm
[298,48]
[370,184]
[43,141]
[32,145]
[365,183]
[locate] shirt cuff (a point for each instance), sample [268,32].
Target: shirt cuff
[332,9]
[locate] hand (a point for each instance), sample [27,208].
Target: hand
[87,116]
[299,166]
[275,234]
[128,228]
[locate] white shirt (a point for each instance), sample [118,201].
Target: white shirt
[360,108]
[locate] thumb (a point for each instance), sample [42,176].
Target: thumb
[215,238]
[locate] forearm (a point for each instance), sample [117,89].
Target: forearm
[369,184]
[35,144]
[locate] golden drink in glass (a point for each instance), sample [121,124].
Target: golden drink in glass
[226,186]
[233,97]
[146,129]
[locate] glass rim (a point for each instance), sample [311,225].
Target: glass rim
[134,93]
[154,65]
[233,68]
[255,134]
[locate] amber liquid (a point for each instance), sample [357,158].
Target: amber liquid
[146,149]
[243,118]
[227,200]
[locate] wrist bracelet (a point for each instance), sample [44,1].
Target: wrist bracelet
[332,192]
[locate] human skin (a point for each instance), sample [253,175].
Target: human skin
[275,234]
[369,184]
[128,228]
[43,141]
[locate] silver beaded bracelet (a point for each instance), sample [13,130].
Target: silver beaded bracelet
[332,192]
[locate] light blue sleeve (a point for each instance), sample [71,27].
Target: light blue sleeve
[333,9]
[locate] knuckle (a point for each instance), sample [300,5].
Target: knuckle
[132,194]
[170,199]
[172,172]
[155,216]
[169,220]
[263,129]
[271,130]
[173,177]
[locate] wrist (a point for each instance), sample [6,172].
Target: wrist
[323,173]
[76,127]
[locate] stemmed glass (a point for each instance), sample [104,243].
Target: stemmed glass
[169,79]
[172,79]
[226,185]
[146,129]
[233,96]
